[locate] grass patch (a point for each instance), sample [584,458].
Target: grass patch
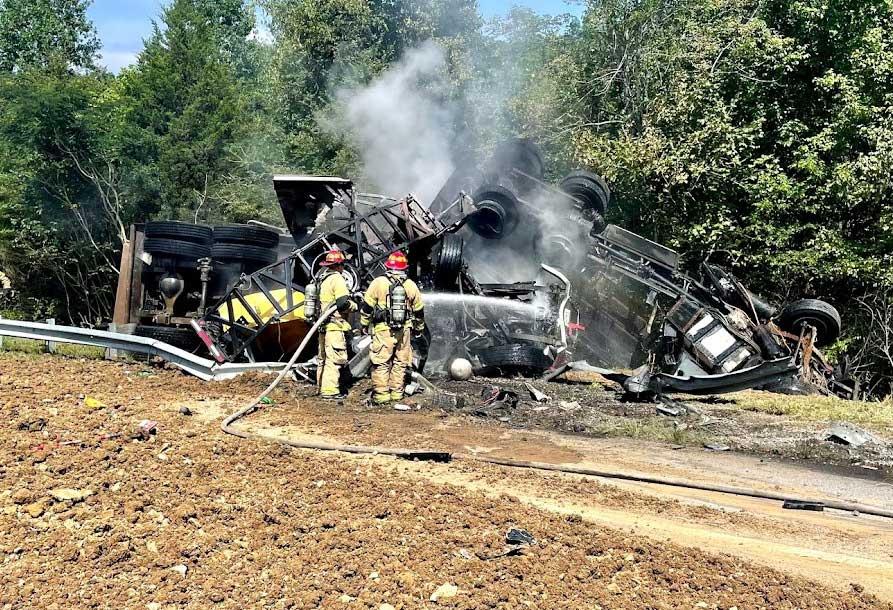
[653,429]
[30,346]
[817,408]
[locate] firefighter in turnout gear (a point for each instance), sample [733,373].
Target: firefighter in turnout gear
[332,289]
[393,307]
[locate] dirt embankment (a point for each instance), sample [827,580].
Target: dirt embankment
[195,519]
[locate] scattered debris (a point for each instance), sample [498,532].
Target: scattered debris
[34,425]
[402,407]
[266,400]
[446,400]
[412,388]
[716,447]
[93,403]
[184,410]
[569,406]
[536,394]
[162,455]
[145,429]
[491,395]
[669,411]
[848,434]
[803,505]
[519,536]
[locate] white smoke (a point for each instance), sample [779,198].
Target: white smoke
[400,125]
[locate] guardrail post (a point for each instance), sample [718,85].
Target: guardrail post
[110,352]
[50,346]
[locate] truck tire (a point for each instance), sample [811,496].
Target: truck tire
[449,261]
[814,312]
[243,253]
[498,212]
[521,154]
[246,234]
[188,251]
[513,358]
[180,231]
[184,338]
[589,189]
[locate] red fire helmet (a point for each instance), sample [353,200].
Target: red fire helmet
[333,257]
[397,262]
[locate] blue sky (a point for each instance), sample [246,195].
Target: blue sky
[123,24]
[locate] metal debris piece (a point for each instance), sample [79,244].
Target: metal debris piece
[145,429]
[402,407]
[557,372]
[569,406]
[536,394]
[669,411]
[848,434]
[716,447]
[491,395]
[518,536]
[184,410]
[412,388]
[803,505]
[423,382]
[445,400]
[34,425]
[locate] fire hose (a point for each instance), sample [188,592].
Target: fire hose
[441,456]
[254,405]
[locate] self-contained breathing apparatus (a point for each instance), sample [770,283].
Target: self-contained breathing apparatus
[395,312]
[311,301]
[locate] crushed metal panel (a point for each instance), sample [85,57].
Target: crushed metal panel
[648,249]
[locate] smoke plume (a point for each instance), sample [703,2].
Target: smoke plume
[400,125]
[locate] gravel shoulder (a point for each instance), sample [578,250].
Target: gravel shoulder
[193,518]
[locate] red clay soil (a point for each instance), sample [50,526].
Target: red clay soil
[193,518]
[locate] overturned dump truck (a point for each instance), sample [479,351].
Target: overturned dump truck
[519,276]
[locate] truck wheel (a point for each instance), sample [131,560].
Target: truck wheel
[823,316]
[243,252]
[449,261]
[589,189]
[513,358]
[184,338]
[498,212]
[176,248]
[246,234]
[180,231]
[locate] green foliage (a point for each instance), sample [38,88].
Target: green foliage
[55,237]
[43,34]
[186,104]
[763,129]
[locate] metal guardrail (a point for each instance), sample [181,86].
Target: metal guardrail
[202,368]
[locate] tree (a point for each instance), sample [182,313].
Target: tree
[187,103]
[758,128]
[61,214]
[40,34]
[324,46]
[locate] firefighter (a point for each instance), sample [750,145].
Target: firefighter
[393,306]
[333,336]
